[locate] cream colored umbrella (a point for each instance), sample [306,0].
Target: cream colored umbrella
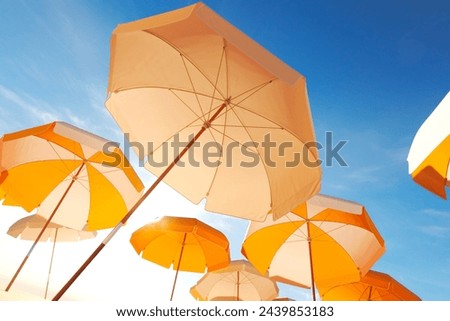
[326,241]
[190,72]
[239,281]
[28,228]
[213,114]
[429,155]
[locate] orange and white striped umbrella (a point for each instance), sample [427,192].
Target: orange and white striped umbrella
[429,155]
[70,174]
[325,241]
[374,286]
[42,163]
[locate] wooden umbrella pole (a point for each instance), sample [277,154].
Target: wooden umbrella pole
[74,178]
[206,125]
[313,290]
[178,266]
[51,264]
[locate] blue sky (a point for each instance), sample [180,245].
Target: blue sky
[375,71]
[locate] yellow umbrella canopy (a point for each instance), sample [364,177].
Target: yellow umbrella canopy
[189,80]
[3,174]
[374,286]
[429,155]
[188,71]
[28,228]
[69,174]
[186,244]
[325,241]
[2,194]
[239,281]
[47,163]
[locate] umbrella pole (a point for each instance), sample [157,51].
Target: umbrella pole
[313,290]
[205,126]
[178,266]
[51,264]
[74,178]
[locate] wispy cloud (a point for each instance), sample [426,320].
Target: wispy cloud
[436,231]
[369,174]
[32,106]
[436,213]
[75,119]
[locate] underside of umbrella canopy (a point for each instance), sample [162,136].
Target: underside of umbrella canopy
[325,241]
[374,286]
[29,227]
[42,162]
[241,115]
[239,281]
[70,175]
[429,155]
[169,73]
[161,242]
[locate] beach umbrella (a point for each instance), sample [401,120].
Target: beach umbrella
[374,286]
[186,244]
[325,241]
[429,155]
[239,281]
[68,173]
[28,228]
[189,73]
[188,83]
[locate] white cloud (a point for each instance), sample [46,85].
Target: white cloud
[367,174]
[436,213]
[436,231]
[75,119]
[30,105]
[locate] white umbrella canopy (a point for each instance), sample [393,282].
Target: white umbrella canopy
[172,72]
[239,281]
[28,228]
[429,155]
